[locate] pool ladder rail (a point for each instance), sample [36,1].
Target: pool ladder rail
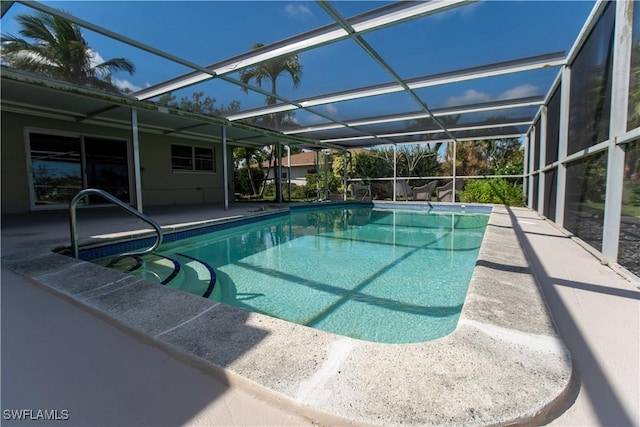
[94,191]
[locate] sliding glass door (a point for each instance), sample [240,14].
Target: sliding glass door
[107,167]
[61,166]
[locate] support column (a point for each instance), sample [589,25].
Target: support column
[317,169]
[561,189]
[453,184]
[344,175]
[279,176]
[543,160]
[225,168]
[326,176]
[617,126]
[526,176]
[289,171]
[532,150]
[395,169]
[136,159]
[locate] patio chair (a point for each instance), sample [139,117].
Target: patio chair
[381,190]
[361,192]
[424,192]
[403,190]
[444,193]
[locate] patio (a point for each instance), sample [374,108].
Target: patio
[567,91]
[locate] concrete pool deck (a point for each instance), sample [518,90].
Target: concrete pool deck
[504,364]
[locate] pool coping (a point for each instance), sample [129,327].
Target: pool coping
[504,364]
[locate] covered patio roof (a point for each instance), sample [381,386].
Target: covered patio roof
[400,91]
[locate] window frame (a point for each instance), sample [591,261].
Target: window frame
[194,160]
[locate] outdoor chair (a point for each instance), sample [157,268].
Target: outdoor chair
[381,190]
[361,192]
[403,190]
[444,193]
[424,192]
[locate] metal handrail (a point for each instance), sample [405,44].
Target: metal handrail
[119,203]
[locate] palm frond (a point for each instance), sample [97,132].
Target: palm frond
[54,47]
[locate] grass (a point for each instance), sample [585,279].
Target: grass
[597,208]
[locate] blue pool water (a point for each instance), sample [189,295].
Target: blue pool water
[384,275]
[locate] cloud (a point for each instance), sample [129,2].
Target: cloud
[122,84]
[522,91]
[470,96]
[125,84]
[96,58]
[331,109]
[466,10]
[313,119]
[298,10]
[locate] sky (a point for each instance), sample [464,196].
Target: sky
[206,32]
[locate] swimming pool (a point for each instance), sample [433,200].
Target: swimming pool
[504,363]
[383,275]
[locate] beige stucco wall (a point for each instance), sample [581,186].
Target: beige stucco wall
[160,185]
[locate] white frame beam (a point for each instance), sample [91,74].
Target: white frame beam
[563,138]
[136,159]
[532,149]
[301,43]
[617,126]
[543,161]
[225,167]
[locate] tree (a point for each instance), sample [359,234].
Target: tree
[487,157]
[56,48]
[367,166]
[200,104]
[417,160]
[270,72]
[634,88]
[249,156]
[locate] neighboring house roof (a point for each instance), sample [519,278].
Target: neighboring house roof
[306,158]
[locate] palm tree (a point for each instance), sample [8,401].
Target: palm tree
[56,48]
[269,72]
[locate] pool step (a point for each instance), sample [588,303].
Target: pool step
[180,271]
[195,277]
[155,268]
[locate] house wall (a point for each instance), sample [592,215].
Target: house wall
[160,184]
[298,174]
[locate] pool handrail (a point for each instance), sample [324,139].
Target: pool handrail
[122,205]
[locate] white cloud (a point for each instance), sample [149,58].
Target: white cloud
[96,58]
[470,96]
[521,91]
[331,109]
[298,10]
[125,84]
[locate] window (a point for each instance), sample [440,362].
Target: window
[584,198]
[536,147]
[553,128]
[629,241]
[633,117]
[61,166]
[591,82]
[188,158]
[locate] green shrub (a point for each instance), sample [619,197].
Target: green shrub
[242,183]
[334,182]
[495,190]
[634,199]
